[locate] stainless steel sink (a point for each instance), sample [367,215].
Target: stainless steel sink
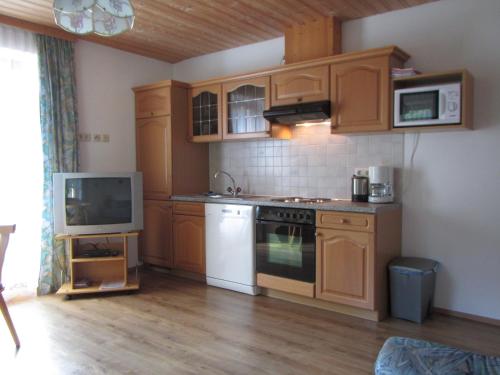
[222,196]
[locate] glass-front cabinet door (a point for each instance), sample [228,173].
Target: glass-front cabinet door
[243,105]
[205,114]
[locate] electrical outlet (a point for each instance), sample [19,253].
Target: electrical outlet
[84,137]
[97,138]
[105,138]
[361,172]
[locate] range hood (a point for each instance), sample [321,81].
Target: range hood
[298,113]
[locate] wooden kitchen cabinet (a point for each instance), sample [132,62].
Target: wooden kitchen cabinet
[344,267]
[360,92]
[308,84]
[189,238]
[169,163]
[353,251]
[243,104]
[156,239]
[205,113]
[152,102]
[153,148]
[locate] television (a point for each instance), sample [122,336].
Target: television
[90,203]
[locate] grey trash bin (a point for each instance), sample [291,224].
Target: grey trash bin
[412,283]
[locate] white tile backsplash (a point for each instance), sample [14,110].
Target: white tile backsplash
[312,163]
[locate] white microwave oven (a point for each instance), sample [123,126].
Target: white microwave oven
[427,105]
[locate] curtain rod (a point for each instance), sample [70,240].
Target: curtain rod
[36,28]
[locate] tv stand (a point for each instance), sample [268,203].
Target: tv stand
[98,274]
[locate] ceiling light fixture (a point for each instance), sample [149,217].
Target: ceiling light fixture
[102,17]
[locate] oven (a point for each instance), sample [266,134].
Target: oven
[285,242]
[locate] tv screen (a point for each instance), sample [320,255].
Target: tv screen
[97,201]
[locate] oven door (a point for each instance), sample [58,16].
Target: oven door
[286,250]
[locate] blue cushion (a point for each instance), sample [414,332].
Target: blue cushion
[404,356]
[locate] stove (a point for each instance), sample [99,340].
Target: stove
[301,200]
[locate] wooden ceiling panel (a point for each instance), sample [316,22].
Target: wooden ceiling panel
[174,30]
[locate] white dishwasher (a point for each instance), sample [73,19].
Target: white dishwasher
[230,247]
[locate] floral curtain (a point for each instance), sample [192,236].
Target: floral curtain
[59,123]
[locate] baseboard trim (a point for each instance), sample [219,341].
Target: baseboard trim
[462,315]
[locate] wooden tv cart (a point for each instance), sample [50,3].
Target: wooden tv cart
[104,273]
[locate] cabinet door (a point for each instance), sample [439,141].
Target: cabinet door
[205,114]
[360,95]
[345,267]
[243,104]
[152,103]
[153,143]
[300,85]
[189,243]
[156,238]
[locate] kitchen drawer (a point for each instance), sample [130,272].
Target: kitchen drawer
[345,220]
[189,208]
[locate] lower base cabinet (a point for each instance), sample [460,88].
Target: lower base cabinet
[344,261]
[353,251]
[156,238]
[189,237]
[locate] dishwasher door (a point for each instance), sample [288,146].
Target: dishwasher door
[230,247]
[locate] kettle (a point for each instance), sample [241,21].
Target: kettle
[359,188]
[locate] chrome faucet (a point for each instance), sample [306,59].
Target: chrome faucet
[232,190]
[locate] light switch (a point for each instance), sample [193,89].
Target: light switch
[105,138]
[97,138]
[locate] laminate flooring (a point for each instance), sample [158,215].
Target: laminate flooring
[179,326]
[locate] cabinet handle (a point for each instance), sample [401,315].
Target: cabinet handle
[317,234]
[152,113]
[299,99]
[344,221]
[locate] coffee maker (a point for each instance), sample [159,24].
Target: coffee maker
[381,188]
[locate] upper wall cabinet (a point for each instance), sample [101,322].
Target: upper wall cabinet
[300,85]
[243,105]
[152,103]
[360,90]
[360,95]
[205,114]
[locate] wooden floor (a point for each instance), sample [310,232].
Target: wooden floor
[176,326]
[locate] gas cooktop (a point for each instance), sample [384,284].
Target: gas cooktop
[301,200]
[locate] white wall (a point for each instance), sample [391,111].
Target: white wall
[104,78]
[451,211]
[231,61]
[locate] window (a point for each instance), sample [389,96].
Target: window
[21,163]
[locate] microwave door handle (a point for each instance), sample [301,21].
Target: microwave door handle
[442,104]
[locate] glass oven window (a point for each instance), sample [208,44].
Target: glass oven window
[419,106]
[286,249]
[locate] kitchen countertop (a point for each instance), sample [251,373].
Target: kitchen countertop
[262,200]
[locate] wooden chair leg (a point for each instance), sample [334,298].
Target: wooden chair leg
[8,320]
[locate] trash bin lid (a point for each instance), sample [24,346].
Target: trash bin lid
[414,265]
